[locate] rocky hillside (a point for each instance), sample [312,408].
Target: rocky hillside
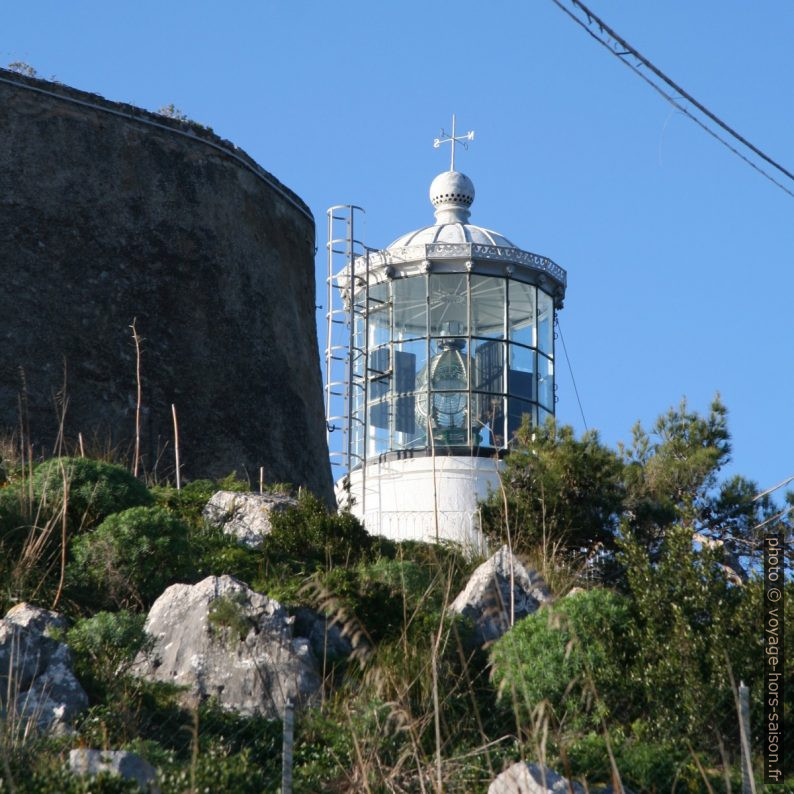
[167,640]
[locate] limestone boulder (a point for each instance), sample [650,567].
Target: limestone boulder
[500,586]
[325,637]
[43,621]
[130,766]
[37,681]
[220,639]
[526,778]
[246,515]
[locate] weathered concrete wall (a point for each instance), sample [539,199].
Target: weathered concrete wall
[106,218]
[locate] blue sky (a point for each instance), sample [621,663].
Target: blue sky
[679,256]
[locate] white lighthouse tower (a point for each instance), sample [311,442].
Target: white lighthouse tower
[438,345]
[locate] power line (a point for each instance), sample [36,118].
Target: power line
[570,369]
[627,49]
[773,488]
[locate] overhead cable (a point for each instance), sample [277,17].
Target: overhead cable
[773,488]
[626,49]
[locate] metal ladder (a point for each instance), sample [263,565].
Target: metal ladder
[345,357]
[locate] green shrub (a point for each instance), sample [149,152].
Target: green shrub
[50,774]
[228,612]
[187,502]
[132,556]
[697,634]
[218,770]
[643,765]
[406,577]
[309,533]
[231,482]
[13,526]
[214,553]
[96,489]
[557,486]
[376,606]
[574,655]
[104,647]
[31,525]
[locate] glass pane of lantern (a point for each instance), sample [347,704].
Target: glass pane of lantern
[358,364]
[522,313]
[379,414]
[545,323]
[379,373]
[521,372]
[543,415]
[358,332]
[488,420]
[379,315]
[404,399]
[488,376]
[357,437]
[488,306]
[409,297]
[377,437]
[417,349]
[546,382]
[450,418]
[448,305]
[357,447]
[517,409]
[488,358]
[448,379]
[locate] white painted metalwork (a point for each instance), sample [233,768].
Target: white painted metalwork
[341,355]
[453,140]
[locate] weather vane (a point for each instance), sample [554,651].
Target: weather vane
[453,139]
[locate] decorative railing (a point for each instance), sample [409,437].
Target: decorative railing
[473,251]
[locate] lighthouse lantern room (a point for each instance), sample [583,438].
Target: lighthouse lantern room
[438,346]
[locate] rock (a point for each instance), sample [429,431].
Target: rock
[486,597]
[220,639]
[37,669]
[44,621]
[130,766]
[246,515]
[526,778]
[523,778]
[325,638]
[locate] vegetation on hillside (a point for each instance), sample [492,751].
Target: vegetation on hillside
[633,675]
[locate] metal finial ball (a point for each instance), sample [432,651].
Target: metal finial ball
[452,188]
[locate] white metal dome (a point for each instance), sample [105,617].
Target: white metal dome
[452,233]
[451,194]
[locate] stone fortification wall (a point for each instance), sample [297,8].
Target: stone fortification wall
[109,213]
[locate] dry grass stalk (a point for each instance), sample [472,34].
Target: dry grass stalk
[726,766]
[19,722]
[436,708]
[743,737]
[435,484]
[176,448]
[136,460]
[509,543]
[330,605]
[64,525]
